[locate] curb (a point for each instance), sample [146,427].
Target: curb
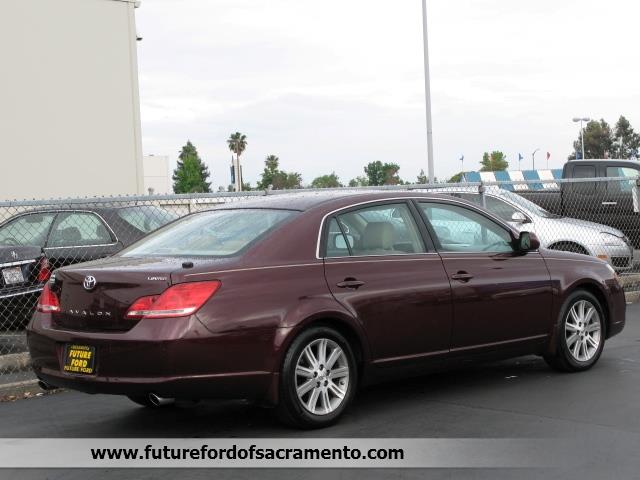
[15,362]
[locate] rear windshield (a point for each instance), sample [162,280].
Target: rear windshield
[217,233]
[146,219]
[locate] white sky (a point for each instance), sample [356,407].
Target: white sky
[332,85]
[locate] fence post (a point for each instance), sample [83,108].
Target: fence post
[481,190]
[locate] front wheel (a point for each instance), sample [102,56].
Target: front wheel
[581,333]
[318,379]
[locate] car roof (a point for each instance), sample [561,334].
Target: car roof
[303,201]
[80,207]
[605,160]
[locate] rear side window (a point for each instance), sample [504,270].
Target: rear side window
[217,233]
[379,230]
[78,229]
[498,207]
[31,229]
[584,171]
[146,219]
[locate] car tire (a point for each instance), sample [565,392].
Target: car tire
[581,333]
[315,387]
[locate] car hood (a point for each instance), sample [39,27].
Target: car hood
[10,253]
[574,223]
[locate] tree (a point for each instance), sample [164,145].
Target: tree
[276,178]
[359,182]
[326,181]
[191,174]
[269,172]
[493,162]
[457,178]
[626,142]
[598,141]
[422,178]
[379,173]
[287,180]
[237,143]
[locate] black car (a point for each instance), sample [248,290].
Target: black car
[614,203]
[34,243]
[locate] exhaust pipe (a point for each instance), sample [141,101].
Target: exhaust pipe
[46,386]
[158,401]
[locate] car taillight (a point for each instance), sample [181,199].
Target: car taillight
[45,270]
[48,301]
[177,301]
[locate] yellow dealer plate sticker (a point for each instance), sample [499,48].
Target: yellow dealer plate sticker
[79,359]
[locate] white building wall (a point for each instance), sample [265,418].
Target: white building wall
[69,104]
[156,174]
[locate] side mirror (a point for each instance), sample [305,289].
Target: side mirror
[527,241]
[518,217]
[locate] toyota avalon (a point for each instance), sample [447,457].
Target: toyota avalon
[296,300]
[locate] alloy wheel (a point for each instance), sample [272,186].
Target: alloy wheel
[322,376]
[583,331]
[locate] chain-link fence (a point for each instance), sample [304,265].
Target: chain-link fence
[598,217]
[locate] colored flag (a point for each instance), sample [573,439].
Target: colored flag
[548,155]
[520,157]
[462,158]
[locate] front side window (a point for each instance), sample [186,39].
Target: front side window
[217,233]
[378,230]
[79,229]
[460,229]
[30,229]
[622,185]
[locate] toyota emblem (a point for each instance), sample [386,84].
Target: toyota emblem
[89,282]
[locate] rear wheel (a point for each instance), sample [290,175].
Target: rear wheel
[318,379]
[581,333]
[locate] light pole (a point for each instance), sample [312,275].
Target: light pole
[427,93]
[581,120]
[533,158]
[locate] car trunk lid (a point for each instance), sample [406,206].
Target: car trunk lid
[96,296]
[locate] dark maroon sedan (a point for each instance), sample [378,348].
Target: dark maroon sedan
[298,299]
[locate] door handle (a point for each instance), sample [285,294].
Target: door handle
[462,276]
[350,282]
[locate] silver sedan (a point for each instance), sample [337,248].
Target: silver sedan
[555,232]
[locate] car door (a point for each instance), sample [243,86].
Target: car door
[380,267]
[622,202]
[500,296]
[79,236]
[584,199]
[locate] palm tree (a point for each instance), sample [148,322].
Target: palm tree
[237,143]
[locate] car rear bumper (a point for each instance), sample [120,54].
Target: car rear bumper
[175,358]
[253,385]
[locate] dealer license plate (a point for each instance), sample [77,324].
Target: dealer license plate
[79,359]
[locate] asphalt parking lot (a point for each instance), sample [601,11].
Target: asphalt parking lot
[517,398]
